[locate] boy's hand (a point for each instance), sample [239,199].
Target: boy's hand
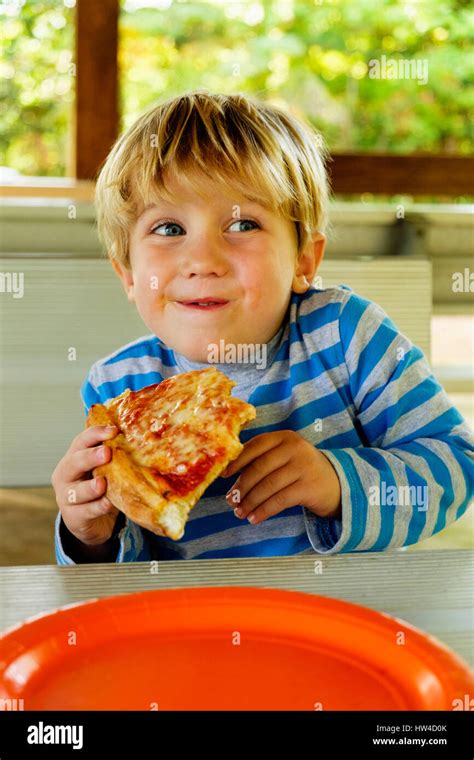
[87,513]
[282,470]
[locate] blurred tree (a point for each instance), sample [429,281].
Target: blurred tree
[36,85]
[316,57]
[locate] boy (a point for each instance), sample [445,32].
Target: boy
[212,209]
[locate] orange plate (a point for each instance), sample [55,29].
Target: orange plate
[226,648]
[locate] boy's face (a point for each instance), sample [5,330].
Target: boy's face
[214,247]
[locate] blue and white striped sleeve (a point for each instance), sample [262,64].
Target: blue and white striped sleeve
[89,394]
[133,544]
[414,475]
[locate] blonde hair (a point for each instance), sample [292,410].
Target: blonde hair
[236,142]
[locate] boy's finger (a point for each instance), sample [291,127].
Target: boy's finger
[268,468]
[95,509]
[92,436]
[252,449]
[82,462]
[285,499]
[84,491]
[268,488]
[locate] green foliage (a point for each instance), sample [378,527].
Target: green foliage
[313,56]
[36,86]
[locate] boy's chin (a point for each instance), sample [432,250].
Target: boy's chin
[195,353]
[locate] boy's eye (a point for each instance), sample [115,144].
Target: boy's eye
[244,221]
[173,225]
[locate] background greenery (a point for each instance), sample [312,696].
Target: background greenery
[308,55]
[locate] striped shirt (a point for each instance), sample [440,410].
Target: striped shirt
[340,374]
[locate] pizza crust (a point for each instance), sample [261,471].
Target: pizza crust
[139,491]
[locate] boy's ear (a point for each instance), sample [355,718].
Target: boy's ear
[126,276]
[307,263]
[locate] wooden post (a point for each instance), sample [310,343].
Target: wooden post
[96,124]
[96,111]
[405,175]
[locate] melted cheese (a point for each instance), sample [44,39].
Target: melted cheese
[181,427]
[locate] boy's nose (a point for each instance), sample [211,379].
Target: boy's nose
[205,258]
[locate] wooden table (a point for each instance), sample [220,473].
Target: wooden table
[432,590]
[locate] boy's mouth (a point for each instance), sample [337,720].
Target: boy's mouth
[205,304]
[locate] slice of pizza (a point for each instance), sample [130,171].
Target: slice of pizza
[175,438]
